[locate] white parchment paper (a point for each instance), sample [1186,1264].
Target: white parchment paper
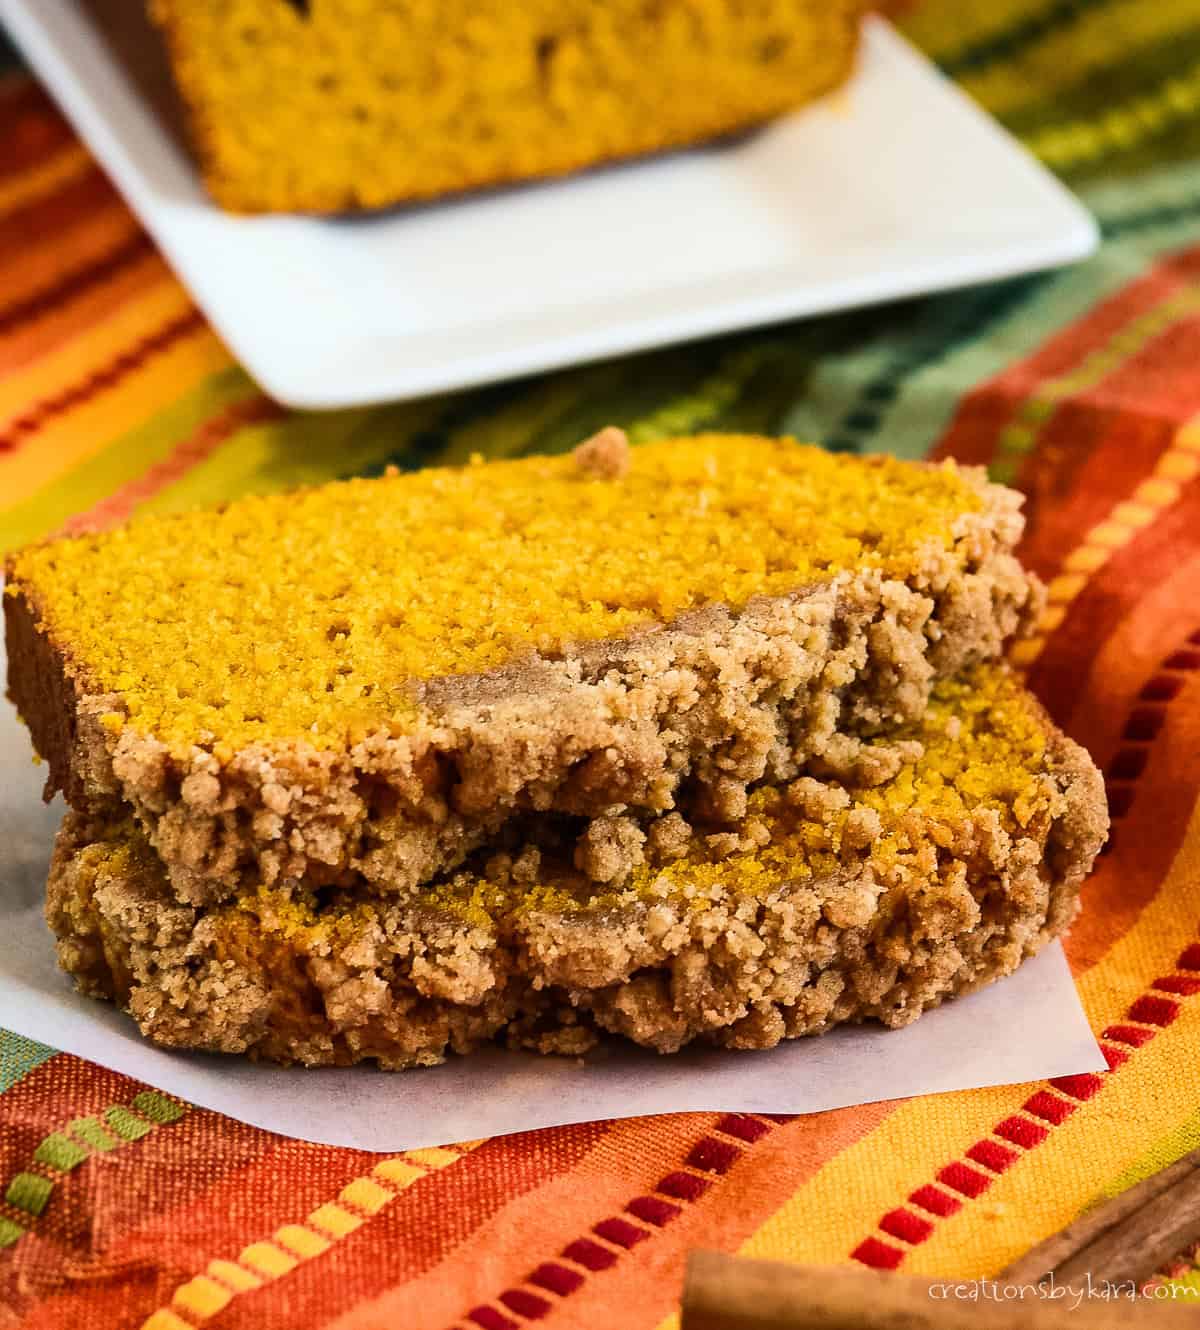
[1024,1028]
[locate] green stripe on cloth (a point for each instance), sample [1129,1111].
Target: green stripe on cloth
[19,1056]
[998,47]
[897,390]
[1127,117]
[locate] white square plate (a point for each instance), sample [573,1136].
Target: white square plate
[894,185]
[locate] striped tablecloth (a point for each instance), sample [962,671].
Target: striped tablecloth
[124,1208]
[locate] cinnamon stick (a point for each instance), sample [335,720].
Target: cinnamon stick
[1127,1238]
[726,1293]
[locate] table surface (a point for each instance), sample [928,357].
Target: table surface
[122,1208]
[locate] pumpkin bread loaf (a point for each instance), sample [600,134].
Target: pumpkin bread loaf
[333,105]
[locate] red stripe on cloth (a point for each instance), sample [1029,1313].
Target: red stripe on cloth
[620,1232]
[34,130]
[1154,1010]
[1049,1107]
[1134,1035]
[555,1278]
[1115,1057]
[1083,1086]
[1021,1132]
[963,1179]
[713,1156]
[73,284]
[653,1210]
[590,1255]
[878,1255]
[683,1186]
[525,1304]
[993,1155]
[490,1319]
[748,1129]
[906,1225]
[1179,984]
[936,1201]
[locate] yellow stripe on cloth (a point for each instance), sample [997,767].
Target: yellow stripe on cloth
[83,356]
[1146,1099]
[1108,34]
[1122,127]
[211,1291]
[126,459]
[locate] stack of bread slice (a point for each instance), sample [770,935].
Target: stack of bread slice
[710,738]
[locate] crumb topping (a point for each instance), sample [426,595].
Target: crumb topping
[310,615]
[976,760]
[980,748]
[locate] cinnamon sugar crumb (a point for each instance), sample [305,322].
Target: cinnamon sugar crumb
[604,455]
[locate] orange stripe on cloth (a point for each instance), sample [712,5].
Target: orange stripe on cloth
[643,1282]
[1111,330]
[480,1222]
[230,1205]
[75,226]
[970,1181]
[262,1262]
[1150,750]
[1157,1006]
[45,178]
[1097,1126]
[88,354]
[1133,571]
[1093,381]
[73,283]
[81,309]
[164,347]
[1097,450]
[1161,489]
[108,376]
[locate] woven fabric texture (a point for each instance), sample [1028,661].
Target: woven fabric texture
[123,1208]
